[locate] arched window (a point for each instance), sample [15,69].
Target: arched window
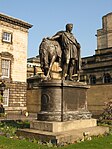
[107,78]
[92,79]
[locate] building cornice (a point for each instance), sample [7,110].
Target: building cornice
[14,21]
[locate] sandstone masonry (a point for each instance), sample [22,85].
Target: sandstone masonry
[13,61]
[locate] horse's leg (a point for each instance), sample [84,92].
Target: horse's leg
[52,61]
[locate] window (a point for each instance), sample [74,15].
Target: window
[92,79]
[106,78]
[5,68]
[7,37]
[5,97]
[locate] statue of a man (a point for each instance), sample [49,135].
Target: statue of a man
[70,51]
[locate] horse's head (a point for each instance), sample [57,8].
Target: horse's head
[50,46]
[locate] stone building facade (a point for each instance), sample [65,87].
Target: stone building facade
[33,67]
[97,69]
[13,61]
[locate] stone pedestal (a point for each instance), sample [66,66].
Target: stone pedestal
[63,101]
[64,117]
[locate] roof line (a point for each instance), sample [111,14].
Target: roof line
[14,21]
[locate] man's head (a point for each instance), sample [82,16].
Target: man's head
[69,27]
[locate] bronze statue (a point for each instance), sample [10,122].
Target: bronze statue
[70,51]
[70,57]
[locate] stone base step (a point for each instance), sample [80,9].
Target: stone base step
[63,137]
[62,126]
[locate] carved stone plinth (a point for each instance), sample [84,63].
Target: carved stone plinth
[62,132]
[63,101]
[62,126]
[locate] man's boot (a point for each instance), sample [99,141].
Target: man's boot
[64,71]
[71,73]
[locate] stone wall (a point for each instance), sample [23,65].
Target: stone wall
[97,95]
[17,97]
[33,100]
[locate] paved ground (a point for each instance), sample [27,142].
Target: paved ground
[15,116]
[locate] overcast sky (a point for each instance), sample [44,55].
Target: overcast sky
[50,16]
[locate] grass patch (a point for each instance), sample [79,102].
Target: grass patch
[95,143]
[8,128]
[7,143]
[9,140]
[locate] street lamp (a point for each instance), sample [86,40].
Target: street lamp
[2,88]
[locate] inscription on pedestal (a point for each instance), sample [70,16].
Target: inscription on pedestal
[45,102]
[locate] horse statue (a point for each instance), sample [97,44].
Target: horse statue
[49,51]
